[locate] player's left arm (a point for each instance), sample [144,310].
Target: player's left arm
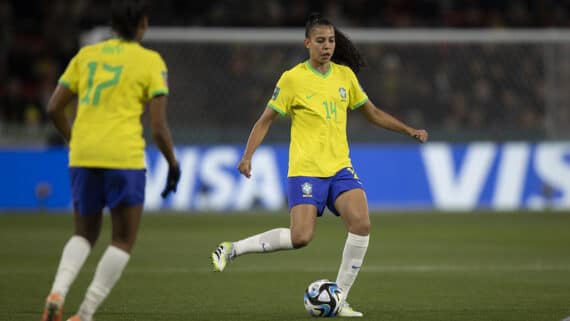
[60,98]
[381,118]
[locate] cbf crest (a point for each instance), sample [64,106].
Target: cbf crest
[342,92]
[307,189]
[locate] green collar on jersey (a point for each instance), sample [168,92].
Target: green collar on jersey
[318,73]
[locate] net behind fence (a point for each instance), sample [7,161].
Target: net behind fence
[457,88]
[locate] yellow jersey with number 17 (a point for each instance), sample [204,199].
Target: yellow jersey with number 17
[113,81]
[317,104]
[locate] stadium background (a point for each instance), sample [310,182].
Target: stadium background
[491,72]
[497,111]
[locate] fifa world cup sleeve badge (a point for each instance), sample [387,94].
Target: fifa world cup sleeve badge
[275,93]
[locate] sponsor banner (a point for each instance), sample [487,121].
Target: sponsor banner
[34,179]
[436,176]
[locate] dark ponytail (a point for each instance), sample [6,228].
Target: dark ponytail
[126,16]
[345,52]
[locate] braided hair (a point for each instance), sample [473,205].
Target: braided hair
[345,52]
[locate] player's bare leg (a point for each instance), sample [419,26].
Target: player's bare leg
[298,235]
[303,221]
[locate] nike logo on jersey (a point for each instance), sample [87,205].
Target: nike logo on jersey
[309,96]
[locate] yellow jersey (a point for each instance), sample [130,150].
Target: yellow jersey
[113,81]
[318,105]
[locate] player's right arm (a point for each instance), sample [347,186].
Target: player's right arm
[256,136]
[278,104]
[60,98]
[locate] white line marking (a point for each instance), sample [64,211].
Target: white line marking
[246,268]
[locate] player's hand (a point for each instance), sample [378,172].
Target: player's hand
[420,135]
[244,167]
[171,180]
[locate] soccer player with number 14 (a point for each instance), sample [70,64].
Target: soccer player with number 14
[317,94]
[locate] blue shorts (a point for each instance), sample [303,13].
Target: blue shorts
[321,191]
[94,188]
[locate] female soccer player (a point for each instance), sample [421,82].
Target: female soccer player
[112,80]
[317,95]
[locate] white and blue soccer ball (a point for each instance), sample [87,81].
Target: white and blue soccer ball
[323,298]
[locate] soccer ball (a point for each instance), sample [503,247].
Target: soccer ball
[323,298]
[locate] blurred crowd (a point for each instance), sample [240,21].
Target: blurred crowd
[476,87]
[367,13]
[461,88]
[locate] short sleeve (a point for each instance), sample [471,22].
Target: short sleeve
[70,77]
[357,95]
[283,94]
[158,77]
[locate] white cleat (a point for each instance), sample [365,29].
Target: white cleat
[346,311]
[222,256]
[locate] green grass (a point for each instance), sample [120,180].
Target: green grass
[444,267]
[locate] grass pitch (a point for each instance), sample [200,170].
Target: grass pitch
[429,267]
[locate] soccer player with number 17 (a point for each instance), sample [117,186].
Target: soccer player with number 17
[112,80]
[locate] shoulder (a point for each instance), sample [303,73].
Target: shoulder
[95,49]
[301,69]
[295,73]
[344,70]
[150,55]
[89,49]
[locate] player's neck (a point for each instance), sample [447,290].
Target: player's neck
[323,68]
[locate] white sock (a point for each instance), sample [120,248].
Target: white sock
[75,252]
[269,241]
[352,258]
[107,274]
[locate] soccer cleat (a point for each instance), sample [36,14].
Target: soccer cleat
[54,307]
[74,318]
[346,311]
[222,256]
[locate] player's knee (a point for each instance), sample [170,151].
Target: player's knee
[361,227]
[301,240]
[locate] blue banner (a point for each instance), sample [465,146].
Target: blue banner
[34,179]
[396,177]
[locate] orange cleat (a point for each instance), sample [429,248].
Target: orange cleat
[54,308]
[74,318]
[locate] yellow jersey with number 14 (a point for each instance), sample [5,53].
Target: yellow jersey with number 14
[317,104]
[113,81]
